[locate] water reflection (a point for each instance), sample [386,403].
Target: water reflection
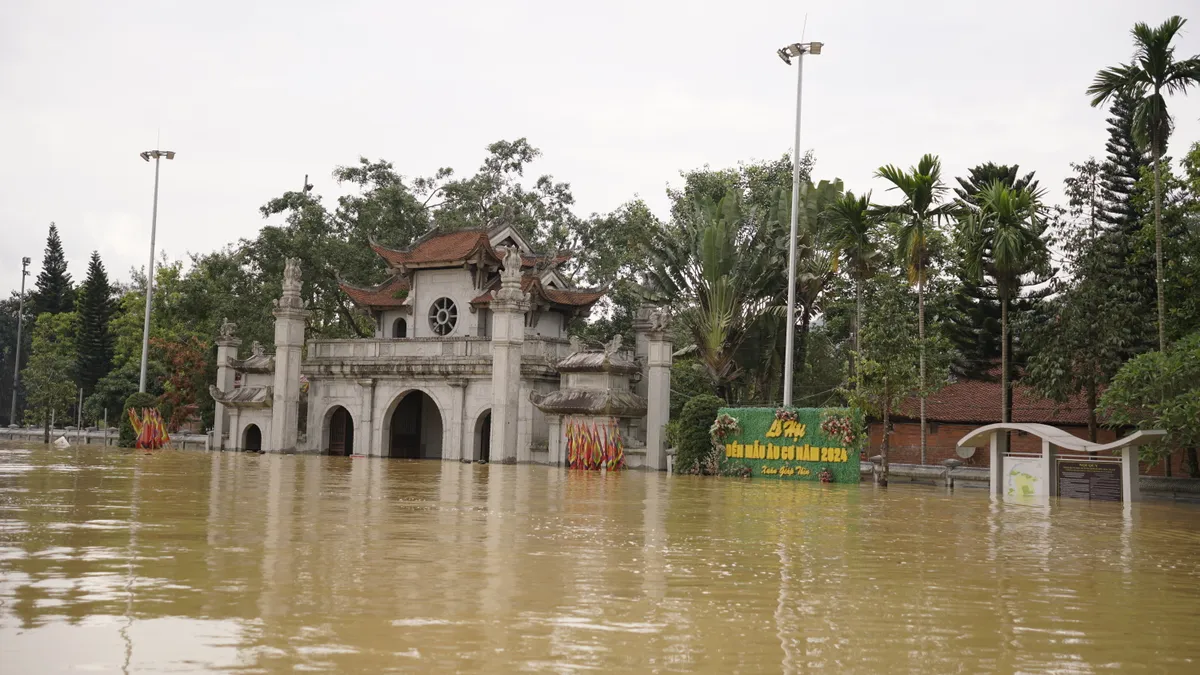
[222,561]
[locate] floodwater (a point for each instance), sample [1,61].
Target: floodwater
[116,561]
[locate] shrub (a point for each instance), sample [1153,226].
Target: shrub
[695,442]
[137,401]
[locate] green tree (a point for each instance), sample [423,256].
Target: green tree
[1005,239]
[716,267]
[891,349]
[49,385]
[9,309]
[53,292]
[918,215]
[94,344]
[852,229]
[695,443]
[974,323]
[1091,326]
[1160,390]
[1153,72]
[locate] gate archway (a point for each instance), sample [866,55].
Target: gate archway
[339,432]
[414,428]
[252,438]
[483,437]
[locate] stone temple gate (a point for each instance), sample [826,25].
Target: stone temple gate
[470,331]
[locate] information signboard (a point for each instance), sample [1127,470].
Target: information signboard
[1090,480]
[795,449]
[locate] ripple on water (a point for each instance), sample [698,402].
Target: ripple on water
[201,562]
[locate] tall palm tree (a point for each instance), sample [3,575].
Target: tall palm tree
[1153,72]
[851,228]
[922,188]
[1004,239]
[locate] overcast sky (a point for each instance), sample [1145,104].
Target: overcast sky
[619,96]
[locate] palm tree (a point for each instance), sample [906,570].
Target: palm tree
[1153,72]
[719,265]
[922,188]
[1004,238]
[851,226]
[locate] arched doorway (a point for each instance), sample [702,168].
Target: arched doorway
[483,437]
[341,432]
[252,438]
[415,428]
[400,328]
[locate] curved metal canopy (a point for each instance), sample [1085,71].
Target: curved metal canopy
[982,437]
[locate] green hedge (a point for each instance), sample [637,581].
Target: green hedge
[137,401]
[694,441]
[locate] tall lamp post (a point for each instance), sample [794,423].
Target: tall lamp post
[157,155]
[798,50]
[12,411]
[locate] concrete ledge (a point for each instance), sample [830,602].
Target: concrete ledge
[963,476]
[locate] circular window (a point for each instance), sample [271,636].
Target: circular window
[443,315]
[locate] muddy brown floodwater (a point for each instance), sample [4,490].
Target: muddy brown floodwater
[114,561]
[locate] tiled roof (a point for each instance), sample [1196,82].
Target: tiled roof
[383,295]
[449,248]
[557,296]
[978,402]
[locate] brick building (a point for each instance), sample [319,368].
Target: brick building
[965,405]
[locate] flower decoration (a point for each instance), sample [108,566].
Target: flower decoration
[839,426]
[723,427]
[785,414]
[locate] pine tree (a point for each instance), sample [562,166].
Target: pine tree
[1121,171]
[1123,213]
[974,326]
[53,292]
[94,344]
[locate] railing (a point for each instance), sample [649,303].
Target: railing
[384,349]
[94,436]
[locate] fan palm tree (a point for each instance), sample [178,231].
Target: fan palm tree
[1152,73]
[851,228]
[719,265]
[1004,239]
[922,188]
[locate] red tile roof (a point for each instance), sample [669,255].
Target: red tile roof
[531,284]
[381,296]
[978,402]
[449,248]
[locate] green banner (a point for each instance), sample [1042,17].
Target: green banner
[774,446]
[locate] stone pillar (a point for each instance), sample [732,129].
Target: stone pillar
[641,351]
[1130,489]
[290,317]
[454,444]
[227,348]
[999,446]
[364,432]
[508,335]
[555,452]
[658,390]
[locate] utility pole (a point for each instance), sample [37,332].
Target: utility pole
[12,411]
[797,50]
[157,155]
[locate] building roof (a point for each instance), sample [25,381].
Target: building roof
[243,397]
[531,284]
[440,248]
[389,294]
[978,402]
[1065,441]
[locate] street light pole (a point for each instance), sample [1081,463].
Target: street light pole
[797,50]
[12,411]
[157,155]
